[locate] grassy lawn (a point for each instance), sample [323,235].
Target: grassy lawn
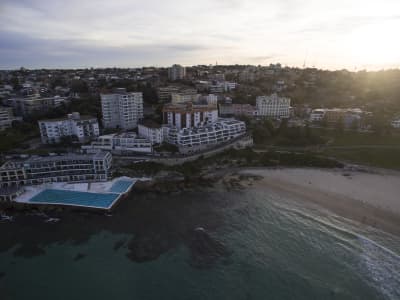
[351,138]
[382,158]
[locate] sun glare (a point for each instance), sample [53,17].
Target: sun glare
[376,44]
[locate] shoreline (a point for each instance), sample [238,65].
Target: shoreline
[313,188]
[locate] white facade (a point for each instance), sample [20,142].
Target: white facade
[176,72]
[63,168]
[396,123]
[220,131]
[317,115]
[273,106]
[120,144]
[212,99]
[189,115]
[122,110]
[155,134]
[83,128]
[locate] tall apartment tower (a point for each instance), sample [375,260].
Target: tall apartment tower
[176,72]
[122,109]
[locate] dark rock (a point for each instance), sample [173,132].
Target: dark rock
[79,256]
[205,250]
[29,251]
[119,244]
[2,274]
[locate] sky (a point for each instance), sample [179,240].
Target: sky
[328,34]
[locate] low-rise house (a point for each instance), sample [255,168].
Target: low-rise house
[123,143]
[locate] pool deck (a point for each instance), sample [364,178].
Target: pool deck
[106,187]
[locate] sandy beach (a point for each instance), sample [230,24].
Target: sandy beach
[373,199]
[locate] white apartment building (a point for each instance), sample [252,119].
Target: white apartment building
[6,117]
[176,72]
[59,168]
[273,106]
[218,132]
[151,131]
[83,128]
[124,143]
[189,115]
[122,109]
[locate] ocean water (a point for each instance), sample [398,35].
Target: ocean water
[213,244]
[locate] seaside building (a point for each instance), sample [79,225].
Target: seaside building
[124,143]
[34,104]
[58,168]
[189,114]
[151,131]
[273,106]
[122,109]
[83,128]
[176,72]
[199,138]
[6,117]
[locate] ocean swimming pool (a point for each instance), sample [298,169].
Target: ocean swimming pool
[121,186]
[51,196]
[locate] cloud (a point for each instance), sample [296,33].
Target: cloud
[134,32]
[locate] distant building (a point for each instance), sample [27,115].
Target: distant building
[60,168]
[6,117]
[396,123]
[211,99]
[244,110]
[189,114]
[124,143]
[176,72]
[273,106]
[317,115]
[151,131]
[225,109]
[183,97]
[122,109]
[164,93]
[35,104]
[348,116]
[83,128]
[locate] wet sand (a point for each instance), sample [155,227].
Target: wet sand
[372,199]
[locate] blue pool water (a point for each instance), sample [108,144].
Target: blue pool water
[51,196]
[121,186]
